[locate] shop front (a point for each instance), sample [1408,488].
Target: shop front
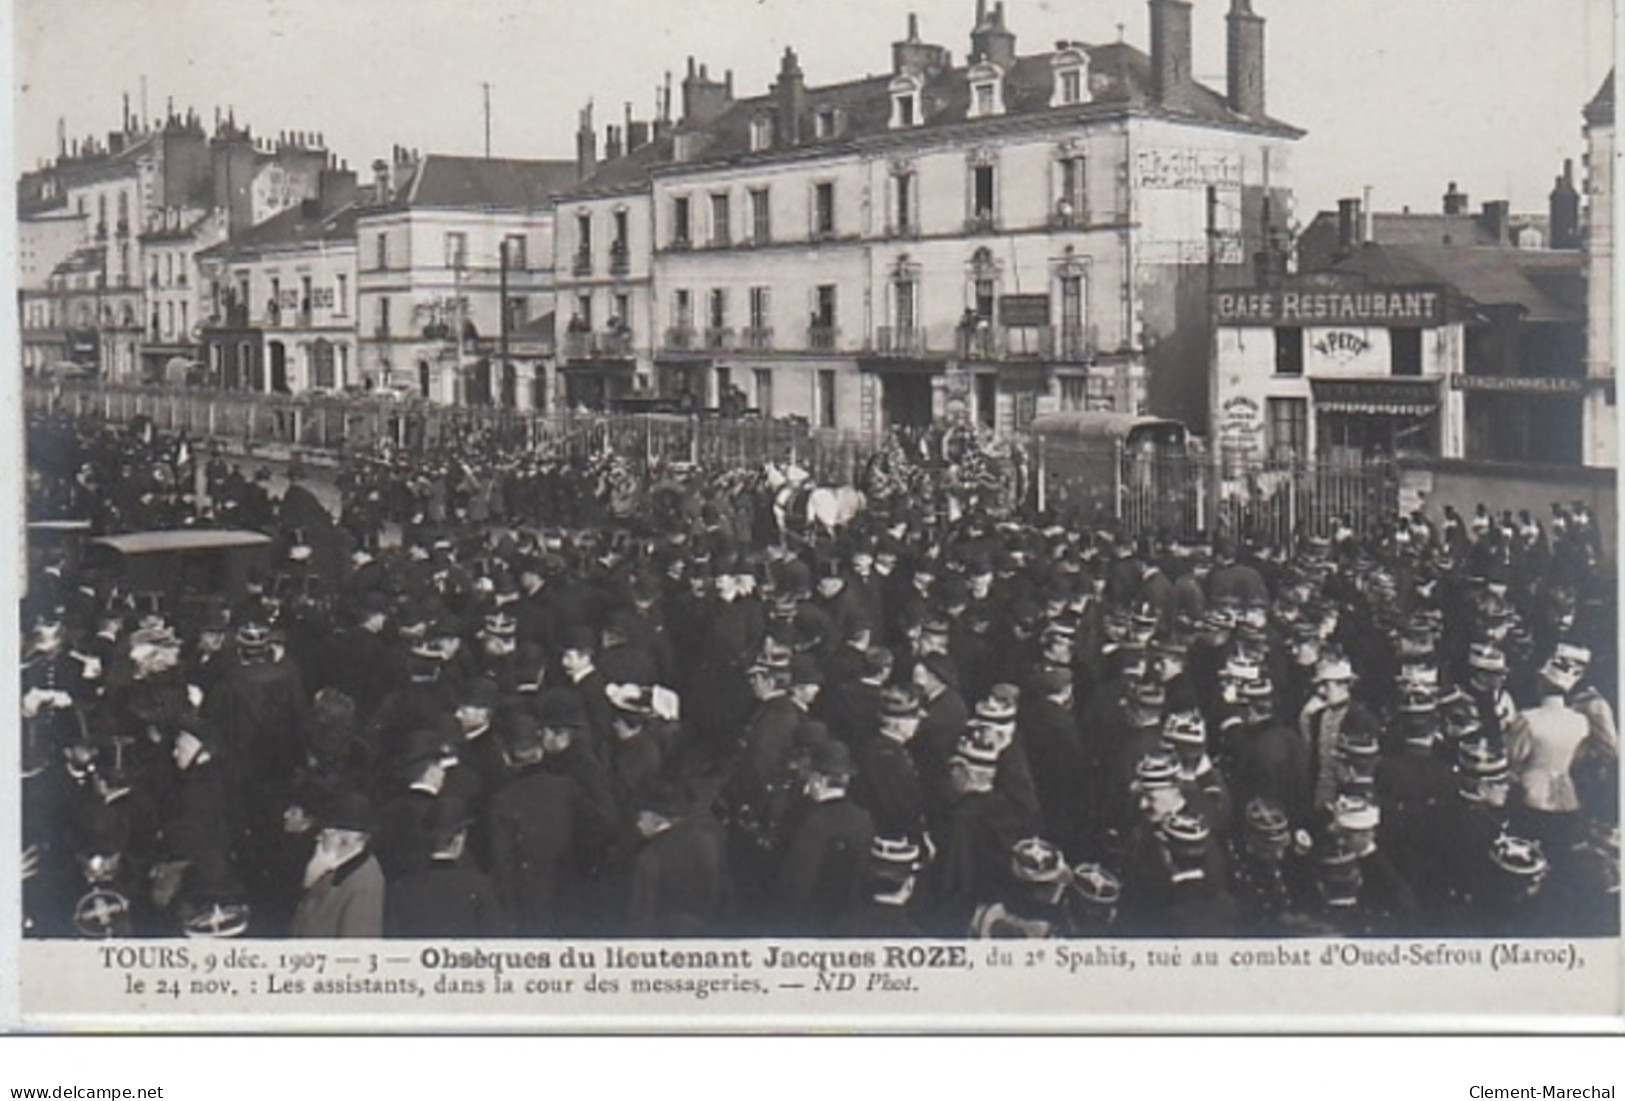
[1375,419]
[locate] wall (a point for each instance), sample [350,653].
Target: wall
[1465,483]
[1601,415]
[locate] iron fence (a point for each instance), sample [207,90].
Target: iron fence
[1165,494]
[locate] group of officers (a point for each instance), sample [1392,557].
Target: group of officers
[917,727]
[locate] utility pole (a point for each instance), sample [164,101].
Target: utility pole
[486,85]
[457,298]
[502,378]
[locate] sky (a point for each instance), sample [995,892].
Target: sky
[1402,96]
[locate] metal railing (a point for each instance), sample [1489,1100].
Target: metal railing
[899,341]
[758,338]
[822,338]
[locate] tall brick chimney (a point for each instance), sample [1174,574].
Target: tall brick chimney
[1245,71]
[790,95]
[1171,78]
[917,56]
[1455,202]
[703,98]
[991,40]
[1565,211]
[586,144]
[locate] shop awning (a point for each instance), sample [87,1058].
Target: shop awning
[1386,397]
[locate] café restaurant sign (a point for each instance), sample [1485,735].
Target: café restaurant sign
[1386,306]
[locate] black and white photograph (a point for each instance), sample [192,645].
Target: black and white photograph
[732,502]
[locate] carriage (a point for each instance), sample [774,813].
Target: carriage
[1118,469]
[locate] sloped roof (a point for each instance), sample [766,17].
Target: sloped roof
[1548,285]
[464,183]
[299,225]
[1120,80]
[1600,111]
[87,259]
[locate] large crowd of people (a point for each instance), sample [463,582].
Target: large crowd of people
[486,699]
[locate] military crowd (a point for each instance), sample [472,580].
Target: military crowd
[497,710]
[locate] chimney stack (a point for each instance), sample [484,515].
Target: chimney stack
[380,181]
[1497,220]
[1455,202]
[1565,211]
[913,56]
[790,94]
[991,40]
[637,136]
[703,98]
[586,144]
[1171,78]
[1245,72]
[1350,226]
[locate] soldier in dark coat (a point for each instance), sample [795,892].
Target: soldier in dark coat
[259,708]
[677,880]
[886,909]
[540,825]
[822,871]
[887,781]
[1060,771]
[447,896]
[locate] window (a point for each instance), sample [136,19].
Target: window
[517,259]
[905,110]
[824,123]
[304,295]
[1072,86]
[763,378]
[169,268]
[1288,428]
[683,307]
[985,294]
[169,319]
[1407,352]
[761,311]
[761,133]
[456,250]
[584,235]
[904,297]
[982,184]
[1289,352]
[824,210]
[186,326]
[1069,202]
[717,308]
[623,309]
[761,217]
[680,230]
[518,312]
[826,399]
[824,307]
[273,307]
[984,99]
[904,212]
[721,230]
[341,295]
[584,310]
[382,252]
[621,233]
[383,317]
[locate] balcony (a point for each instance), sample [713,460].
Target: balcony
[983,342]
[1070,343]
[123,227]
[758,339]
[719,339]
[380,332]
[907,231]
[822,338]
[983,221]
[583,263]
[101,231]
[899,341]
[579,345]
[682,338]
[681,243]
[1065,216]
[720,238]
[620,258]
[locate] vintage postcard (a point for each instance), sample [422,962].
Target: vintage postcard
[742,515]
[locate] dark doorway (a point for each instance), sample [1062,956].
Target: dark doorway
[906,401]
[279,367]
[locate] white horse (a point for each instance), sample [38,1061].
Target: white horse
[825,508]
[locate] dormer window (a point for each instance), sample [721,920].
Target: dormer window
[907,110]
[761,133]
[986,90]
[825,123]
[1071,69]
